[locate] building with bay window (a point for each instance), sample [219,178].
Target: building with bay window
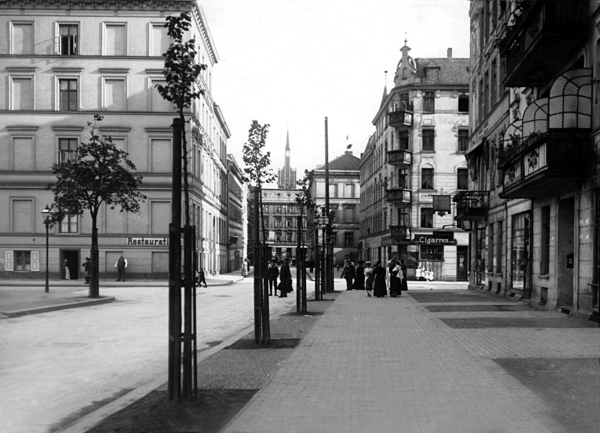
[415,155]
[63,62]
[533,209]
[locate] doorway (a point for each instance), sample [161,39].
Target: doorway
[70,259]
[564,254]
[461,263]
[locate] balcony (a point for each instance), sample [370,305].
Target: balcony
[401,235]
[471,205]
[400,158]
[401,119]
[545,162]
[542,36]
[401,197]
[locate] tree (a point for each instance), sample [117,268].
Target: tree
[101,173]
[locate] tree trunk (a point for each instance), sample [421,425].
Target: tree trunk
[94,291]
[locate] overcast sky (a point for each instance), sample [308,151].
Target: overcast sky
[291,63]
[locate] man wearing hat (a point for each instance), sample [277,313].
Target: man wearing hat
[121,264]
[87,268]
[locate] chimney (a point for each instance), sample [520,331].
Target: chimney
[348,152]
[449,53]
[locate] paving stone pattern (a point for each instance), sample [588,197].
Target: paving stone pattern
[390,365]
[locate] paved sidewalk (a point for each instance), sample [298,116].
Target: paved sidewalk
[24,297]
[395,365]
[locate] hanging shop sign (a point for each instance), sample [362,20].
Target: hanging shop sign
[443,234]
[432,240]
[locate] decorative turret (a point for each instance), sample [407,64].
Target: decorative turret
[407,68]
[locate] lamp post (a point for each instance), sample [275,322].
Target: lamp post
[47,216]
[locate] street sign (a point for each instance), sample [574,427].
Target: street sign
[443,234]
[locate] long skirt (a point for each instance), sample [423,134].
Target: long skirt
[395,286]
[380,287]
[359,282]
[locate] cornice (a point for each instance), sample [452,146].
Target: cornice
[134,5]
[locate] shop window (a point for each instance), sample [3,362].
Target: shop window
[545,242]
[499,246]
[432,252]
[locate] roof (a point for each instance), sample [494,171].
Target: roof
[452,70]
[347,161]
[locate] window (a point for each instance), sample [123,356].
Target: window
[278,209]
[499,246]
[349,214]
[278,235]
[277,222]
[463,140]
[289,236]
[67,149]
[22,216]
[22,38]
[403,217]
[22,93]
[158,103]
[115,39]
[462,178]
[289,222]
[23,155]
[432,252]
[160,149]
[349,239]
[494,86]
[403,140]
[463,103]
[22,260]
[491,248]
[427,178]
[68,94]
[160,40]
[348,190]
[67,36]
[429,102]
[427,217]
[333,239]
[160,215]
[68,224]
[428,139]
[545,248]
[115,94]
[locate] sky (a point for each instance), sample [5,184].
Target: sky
[292,63]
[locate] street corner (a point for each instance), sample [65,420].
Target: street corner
[54,305]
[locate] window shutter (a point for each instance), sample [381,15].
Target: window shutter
[56,39]
[9,261]
[75,44]
[35,261]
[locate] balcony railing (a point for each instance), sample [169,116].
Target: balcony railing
[399,196]
[471,205]
[401,235]
[539,38]
[400,158]
[546,162]
[402,118]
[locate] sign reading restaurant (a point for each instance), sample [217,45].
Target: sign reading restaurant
[432,240]
[148,242]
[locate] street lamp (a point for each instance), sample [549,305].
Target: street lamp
[47,216]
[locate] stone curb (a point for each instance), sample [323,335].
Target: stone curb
[65,306]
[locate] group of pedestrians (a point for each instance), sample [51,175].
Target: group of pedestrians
[376,279]
[285,278]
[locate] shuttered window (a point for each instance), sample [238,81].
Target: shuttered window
[23,156]
[22,38]
[158,103]
[160,40]
[22,93]
[114,95]
[22,216]
[161,216]
[161,155]
[114,40]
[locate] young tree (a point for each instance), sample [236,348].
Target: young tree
[258,171]
[101,173]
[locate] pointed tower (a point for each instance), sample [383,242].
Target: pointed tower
[287,176]
[406,71]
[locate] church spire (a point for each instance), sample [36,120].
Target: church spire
[287,176]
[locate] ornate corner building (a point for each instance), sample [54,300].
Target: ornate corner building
[533,205]
[63,62]
[417,153]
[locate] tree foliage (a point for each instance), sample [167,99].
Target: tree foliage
[257,166]
[303,196]
[101,173]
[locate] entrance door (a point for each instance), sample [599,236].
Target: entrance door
[566,235]
[461,263]
[70,259]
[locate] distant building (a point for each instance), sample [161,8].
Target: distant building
[63,62]
[286,178]
[344,201]
[417,153]
[235,215]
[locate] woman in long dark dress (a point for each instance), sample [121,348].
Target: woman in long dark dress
[379,286]
[395,281]
[359,279]
[404,275]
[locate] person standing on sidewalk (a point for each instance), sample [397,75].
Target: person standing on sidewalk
[379,282]
[285,276]
[395,279]
[87,268]
[121,264]
[66,270]
[369,278]
[272,274]
[201,277]
[404,275]
[348,273]
[359,280]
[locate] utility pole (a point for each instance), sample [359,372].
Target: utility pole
[328,274]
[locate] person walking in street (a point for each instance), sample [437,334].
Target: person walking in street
[272,274]
[121,264]
[285,276]
[369,278]
[359,280]
[395,279]
[380,289]
[87,269]
[348,273]
[404,275]
[201,277]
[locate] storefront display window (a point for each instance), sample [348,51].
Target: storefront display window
[432,252]
[521,225]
